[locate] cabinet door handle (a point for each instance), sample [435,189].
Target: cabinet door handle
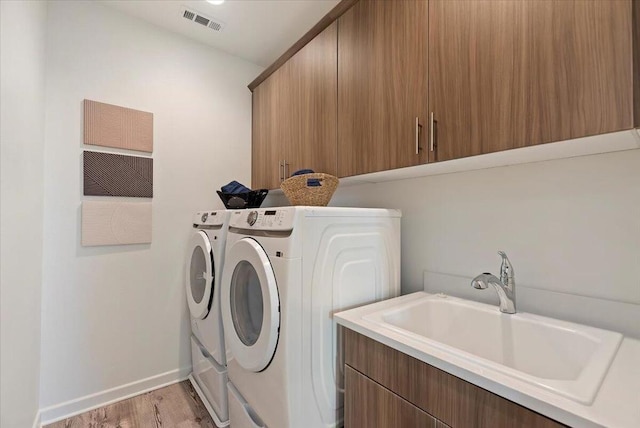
[418,148]
[280,171]
[431,132]
[286,170]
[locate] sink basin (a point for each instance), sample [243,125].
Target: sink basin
[561,357]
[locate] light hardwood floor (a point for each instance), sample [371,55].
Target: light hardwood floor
[174,406]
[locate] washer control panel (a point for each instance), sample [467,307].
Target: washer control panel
[277,219]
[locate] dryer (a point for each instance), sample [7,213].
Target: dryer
[287,270]
[205,259]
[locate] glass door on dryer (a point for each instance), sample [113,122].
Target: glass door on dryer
[200,275]
[250,305]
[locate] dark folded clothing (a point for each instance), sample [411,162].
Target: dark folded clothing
[311,182]
[233,188]
[303,171]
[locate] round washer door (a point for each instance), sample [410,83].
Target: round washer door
[200,275]
[250,305]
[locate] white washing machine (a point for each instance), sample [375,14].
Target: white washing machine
[203,277]
[287,270]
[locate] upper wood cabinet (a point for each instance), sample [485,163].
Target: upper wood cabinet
[268,111]
[382,86]
[294,114]
[312,78]
[508,74]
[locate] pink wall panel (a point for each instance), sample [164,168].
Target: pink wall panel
[113,126]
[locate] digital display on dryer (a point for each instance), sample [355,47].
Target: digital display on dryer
[270,213]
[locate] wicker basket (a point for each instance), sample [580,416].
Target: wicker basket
[299,193]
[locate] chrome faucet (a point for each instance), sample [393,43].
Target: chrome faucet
[505,286]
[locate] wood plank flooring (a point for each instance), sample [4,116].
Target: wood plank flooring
[174,406]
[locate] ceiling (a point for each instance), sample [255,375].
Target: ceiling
[256,30]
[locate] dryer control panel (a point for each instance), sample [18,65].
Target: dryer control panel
[278,219]
[208,218]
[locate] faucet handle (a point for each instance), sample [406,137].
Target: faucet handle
[506,269]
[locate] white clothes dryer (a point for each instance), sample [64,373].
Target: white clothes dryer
[287,271]
[204,266]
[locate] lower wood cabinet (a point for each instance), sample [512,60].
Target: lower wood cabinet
[386,388]
[370,405]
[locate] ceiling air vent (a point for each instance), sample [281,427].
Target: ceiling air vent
[188,14]
[202,19]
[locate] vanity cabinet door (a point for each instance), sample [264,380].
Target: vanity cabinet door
[382,86]
[449,399]
[370,405]
[508,74]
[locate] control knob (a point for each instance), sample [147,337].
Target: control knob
[252,218]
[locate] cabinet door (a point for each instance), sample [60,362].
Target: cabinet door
[311,75]
[268,112]
[449,399]
[508,74]
[370,405]
[382,86]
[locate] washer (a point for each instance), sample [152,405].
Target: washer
[287,271]
[203,276]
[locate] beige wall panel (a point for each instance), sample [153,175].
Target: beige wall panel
[115,223]
[113,126]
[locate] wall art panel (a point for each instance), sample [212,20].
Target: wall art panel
[115,223]
[107,174]
[113,126]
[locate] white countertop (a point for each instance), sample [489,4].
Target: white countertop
[617,403]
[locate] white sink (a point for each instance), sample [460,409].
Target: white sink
[563,358]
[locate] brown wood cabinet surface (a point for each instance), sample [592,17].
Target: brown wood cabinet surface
[449,399]
[382,85]
[325,22]
[312,79]
[496,74]
[266,130]
[508,74]
[636,62]
[294,114]
[369,405]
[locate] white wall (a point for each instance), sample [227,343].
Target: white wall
[571,228]
[114,315]
[22,142]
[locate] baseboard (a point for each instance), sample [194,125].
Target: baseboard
[36,421]
[74,407]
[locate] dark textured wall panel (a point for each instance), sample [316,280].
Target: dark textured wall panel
[107,174]
[119,127]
